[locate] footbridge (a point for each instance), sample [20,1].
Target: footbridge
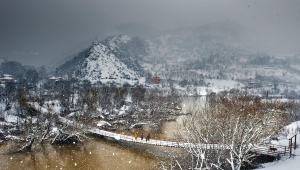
[264,148]
[138,140]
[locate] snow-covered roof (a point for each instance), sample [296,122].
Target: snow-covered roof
[52,78]
[7,75]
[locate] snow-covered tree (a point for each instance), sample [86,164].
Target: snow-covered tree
[34,125]
[234,125]
[87,104]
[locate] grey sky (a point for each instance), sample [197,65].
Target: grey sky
[39,31]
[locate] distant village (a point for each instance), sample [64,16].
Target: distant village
[156,81]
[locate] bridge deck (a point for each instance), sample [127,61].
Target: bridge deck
[138,140]
[262,149]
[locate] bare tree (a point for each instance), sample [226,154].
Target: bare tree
[119,95]
[65,94]
[87,105]
[172,98]
[34,125]
[105,99]
[223,133]
[156,103]
[138,94]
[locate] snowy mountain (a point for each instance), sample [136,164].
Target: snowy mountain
[129,50]
[113,60]
[120,56]
[103,65]
[189,57]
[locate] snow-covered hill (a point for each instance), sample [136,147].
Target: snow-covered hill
[102,65]
[113,60]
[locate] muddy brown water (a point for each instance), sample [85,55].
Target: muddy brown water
[169,129]
[94,153]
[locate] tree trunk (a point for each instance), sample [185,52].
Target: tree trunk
[27,146]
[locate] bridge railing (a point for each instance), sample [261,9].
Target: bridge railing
[173,143]
[265,149]
[164,142]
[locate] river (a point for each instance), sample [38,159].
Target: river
[189,104]
[94,153]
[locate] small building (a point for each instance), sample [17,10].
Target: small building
[52,79]
[6,78]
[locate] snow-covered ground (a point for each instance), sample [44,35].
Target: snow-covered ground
[286,162]
[217,85]
[101,65]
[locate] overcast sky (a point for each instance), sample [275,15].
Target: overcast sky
[37,32]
